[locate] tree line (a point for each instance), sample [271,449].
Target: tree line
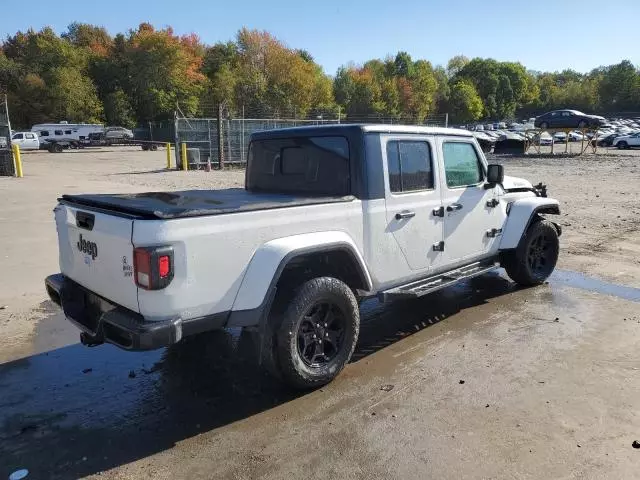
[145,74]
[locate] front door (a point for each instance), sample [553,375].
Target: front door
[413,199]
[472,211]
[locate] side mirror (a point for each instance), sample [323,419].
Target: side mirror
[495,174]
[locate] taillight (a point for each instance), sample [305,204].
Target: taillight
[153,267]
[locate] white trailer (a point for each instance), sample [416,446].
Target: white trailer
[67,131]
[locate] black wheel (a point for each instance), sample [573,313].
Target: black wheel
[544,125]
[154,147]
[318,333]
[57,148]
[623,145]
[145,147]
[534,259]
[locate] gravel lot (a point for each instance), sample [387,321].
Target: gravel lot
[550,374]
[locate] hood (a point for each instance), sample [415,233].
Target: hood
[510,183]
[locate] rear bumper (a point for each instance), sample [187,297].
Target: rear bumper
[103,321]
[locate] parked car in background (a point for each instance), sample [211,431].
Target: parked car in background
[607,139]
[559,137]
[577,137]
[568,119]
[627,141]
[26,140]
[117,133]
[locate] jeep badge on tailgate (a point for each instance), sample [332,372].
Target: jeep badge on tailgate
[90,248]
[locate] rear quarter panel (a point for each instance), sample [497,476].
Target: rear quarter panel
[212,253]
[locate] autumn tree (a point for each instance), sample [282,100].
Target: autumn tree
[52,81]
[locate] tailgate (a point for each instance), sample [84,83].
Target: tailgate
[96,252]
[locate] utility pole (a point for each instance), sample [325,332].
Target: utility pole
[220,139]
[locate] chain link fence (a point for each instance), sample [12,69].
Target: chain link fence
[203,134]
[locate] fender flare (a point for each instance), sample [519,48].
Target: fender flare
[258,286]
[521,213]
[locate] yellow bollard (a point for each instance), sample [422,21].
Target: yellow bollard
[17,160]
[168,146]
[185,165]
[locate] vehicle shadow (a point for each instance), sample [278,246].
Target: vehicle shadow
[76,411]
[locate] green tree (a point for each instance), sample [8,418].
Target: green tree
[96,39]
[619,87]
[403,64]
[163,71]
[443,90]
[456,64]
[118,110]
[466,104]
[423,86]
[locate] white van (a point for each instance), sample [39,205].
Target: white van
[68,131]
[26,140]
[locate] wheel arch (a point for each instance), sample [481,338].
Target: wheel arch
[521,214]
[323,253]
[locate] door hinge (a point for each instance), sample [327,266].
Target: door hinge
[494,232]
[493,203]
[438,247]
[438,212]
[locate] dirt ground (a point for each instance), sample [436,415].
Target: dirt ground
[479,381]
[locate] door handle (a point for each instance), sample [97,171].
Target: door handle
[454,206]
[405,214]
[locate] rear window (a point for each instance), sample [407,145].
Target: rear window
[311,165]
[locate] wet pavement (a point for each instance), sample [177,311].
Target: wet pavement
[69,411]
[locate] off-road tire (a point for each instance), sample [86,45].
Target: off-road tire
[293,368]
[623,145]
[518,262]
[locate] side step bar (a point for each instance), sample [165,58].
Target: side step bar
[428,285]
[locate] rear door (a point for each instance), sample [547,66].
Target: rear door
[412,196]
[96,252]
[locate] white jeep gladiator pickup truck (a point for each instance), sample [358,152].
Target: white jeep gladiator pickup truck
[329,215]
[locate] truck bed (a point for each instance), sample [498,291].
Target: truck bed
[194,203]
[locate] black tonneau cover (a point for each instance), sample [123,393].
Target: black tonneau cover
[194,203]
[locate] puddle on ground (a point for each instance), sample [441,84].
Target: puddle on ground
[591,284]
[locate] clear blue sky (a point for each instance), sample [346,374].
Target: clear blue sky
[542,34]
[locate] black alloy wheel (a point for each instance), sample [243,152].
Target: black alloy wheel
[321,334]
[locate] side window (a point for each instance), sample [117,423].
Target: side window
[410,166]
[67,132]
[461,164]
[58,132]
[17,136]
[30,136]
[44,133]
